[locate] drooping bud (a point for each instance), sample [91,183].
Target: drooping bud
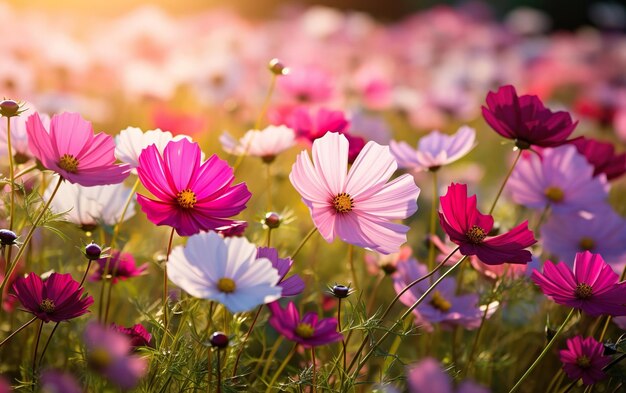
[219,340]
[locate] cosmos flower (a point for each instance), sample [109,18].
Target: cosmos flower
[138,335]
[561,177]
[233,276]
[192,196]
[584,358]
[602,156]
[71,149]
[58,298]
[427,376]
[236,229]
[388,264]
[469,229]
[525,119]
[358,207]
[89,206]
[109,353]
[55,381]
[266,143]
[132,140]
[434,150]
[122,266]
[307,85]
[292,285]
[308,331]
[19,135]
[591,285]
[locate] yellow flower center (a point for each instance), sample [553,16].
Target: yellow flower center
[439,302]
[226,285]
[47,305]
[583,291]
[586,243]
[186,199]
[554,194]
[476,234]
[343,203]
[69,163]
[305,330]
[99,358]
[583,362]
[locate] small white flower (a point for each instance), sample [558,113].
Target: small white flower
[225,271]
[132,140]
[266,143]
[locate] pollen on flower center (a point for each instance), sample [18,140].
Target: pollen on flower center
[476,234]
[226,285]
[343,203]
[583,291]
[587,243]
[554,194]
[69,163]
[583,362]
[186,198]
[305,330]
[439,302]
[47,305]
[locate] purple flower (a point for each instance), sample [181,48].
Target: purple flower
[584,359]
[308,331]
[55,381]
[428,376]
[292,285]
[122,266]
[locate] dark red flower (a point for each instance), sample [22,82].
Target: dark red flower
[139,336]
[602,156]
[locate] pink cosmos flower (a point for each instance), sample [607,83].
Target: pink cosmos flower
[309,331]
[266,143]
[71,149]
[427,376]
[56,381]
[307,85]
[591,285]
[236,229]
[584,358]
[56,299]
[132,140]
[388,264]
[191,196]
[468,228]
[19,135]
[525,119]
[177,122]
[602,156]
[561,177]
[292,285]
[358,207]
[122,266]
[138,335]
[434,150]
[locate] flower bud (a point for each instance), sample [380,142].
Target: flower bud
[277,67]
[341,291]
[219,340]
[9,108]
[93,251]
[7,237]
[272,220]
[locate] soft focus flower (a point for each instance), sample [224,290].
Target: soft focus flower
[306,85]
[584,359]
[56,299]
[90,206]
[191,196]
[122,266]
[468,228]
[266,143]
[591,285]
[109,353]
[177,122]
[434,150]
[19,135]
[358,207]
[292,285]
[233,276]
[132,140]
[138,335]
[71,149]
[310,331]
[525,119]
[427,376]
[53,381]
[236,229]
[387,263]
[602,156]
[561,177]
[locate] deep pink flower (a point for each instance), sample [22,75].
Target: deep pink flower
[602,156]
[427,376]
[525,119]
[584,358]
[72,150]
[292,285]
[191,196]
[307,84]
[122,266]
[236,229]
[138,335]
[591,286]
[358,207]
[468,228]
[56,299]
[308,331]
[178,122]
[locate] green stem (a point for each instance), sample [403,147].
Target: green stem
[506,179]
[433,223]
[351,265]
[165,297]
[270,357]
[314,383]
[470,359]
[45,347]
[36,348]
[245,339]
[17,331]
[268,167]
[281,368]
[543,353]
[303,242]
[11,175]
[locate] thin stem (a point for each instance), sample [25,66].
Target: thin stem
[433,222]
[165,297]
[29,236]
[281,368]
[45,347]
[506,179]
[543,353]
[17,331]
[82,281]
[314,383]
[478,334]
[219,372]
[269,237]
[343,343]
[245,339]
[11,175]
[542,217]
[351,265]
[36,348]
[25,171]
[268,172]
[271,356]
[303,242]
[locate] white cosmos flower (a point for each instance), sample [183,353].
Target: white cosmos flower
[225,271]
[266,143]
[87,206]
[132,140]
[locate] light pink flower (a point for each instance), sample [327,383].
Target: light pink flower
[266,143]
[358,207]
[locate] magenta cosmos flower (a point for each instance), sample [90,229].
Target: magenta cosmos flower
[292,285]
[525,119]
[602,156]
[308,331]
[122,266]
[358,207]
[584,358]
[73,151]
[192,196]
[428,376]
[468,228]
[138,335]
[56,299]
[591,286]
